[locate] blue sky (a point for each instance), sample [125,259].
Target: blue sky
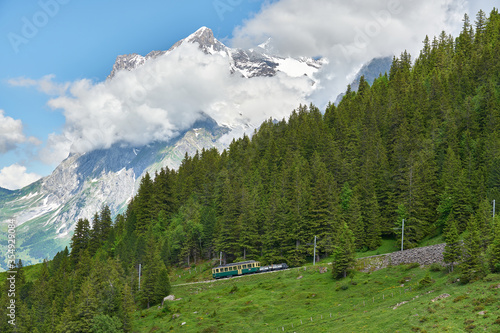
[47,45]
[81,39]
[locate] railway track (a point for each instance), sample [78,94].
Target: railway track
[233,277]
[408,252]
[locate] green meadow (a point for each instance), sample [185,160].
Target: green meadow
[305,300]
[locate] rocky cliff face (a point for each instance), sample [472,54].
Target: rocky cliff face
[370,71]
[46,211]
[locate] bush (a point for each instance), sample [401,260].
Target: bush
[435,267]
[412,265]
[425,281]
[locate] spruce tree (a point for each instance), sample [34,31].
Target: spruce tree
[453,249]
[127,308]
[344,253]
[494,249]
[473,261]
[80,239]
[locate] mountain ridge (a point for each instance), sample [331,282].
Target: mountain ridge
[249,63]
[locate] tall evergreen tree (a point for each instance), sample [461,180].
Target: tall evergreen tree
[473,260]
[344,253]
[453,249]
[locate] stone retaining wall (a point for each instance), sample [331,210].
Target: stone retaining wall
[422,255]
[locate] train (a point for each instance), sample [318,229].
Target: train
[243,268]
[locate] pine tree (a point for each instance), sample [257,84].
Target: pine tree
[344,253]
[68,317]
[494,249]
[248,223]
[453,249]
[144,205]
[86,307]
[80,239]
[472,265]
[127,308]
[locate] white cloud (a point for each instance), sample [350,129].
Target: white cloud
[45,84]
[15,177]
[349,33]
[56,149]
[11,133]
[165,96]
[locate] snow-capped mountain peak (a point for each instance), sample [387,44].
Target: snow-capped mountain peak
[259,61]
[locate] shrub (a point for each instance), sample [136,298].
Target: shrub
[412,265]
[435,267]
[425,281]
[460,298]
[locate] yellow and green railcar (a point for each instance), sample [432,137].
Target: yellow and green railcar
[237,268]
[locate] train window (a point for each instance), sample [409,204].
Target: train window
[239,267]
[225,269]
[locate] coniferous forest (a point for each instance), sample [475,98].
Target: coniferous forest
[422,143]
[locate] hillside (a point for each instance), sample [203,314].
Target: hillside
[303,300]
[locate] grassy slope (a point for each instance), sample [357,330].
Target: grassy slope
[273,302]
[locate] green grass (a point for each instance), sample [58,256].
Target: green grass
[387,246]
[363,303]
[31,273]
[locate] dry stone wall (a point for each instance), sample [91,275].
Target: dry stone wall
[422,255]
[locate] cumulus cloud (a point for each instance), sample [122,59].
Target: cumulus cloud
[11,133]
[349,33]
[15,177]
[164,97]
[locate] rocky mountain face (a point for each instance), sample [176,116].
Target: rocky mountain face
[370,71]
[47,210]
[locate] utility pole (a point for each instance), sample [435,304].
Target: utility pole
[139,276]
[220,260]
[402,234]
[493,211]
[314,260]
